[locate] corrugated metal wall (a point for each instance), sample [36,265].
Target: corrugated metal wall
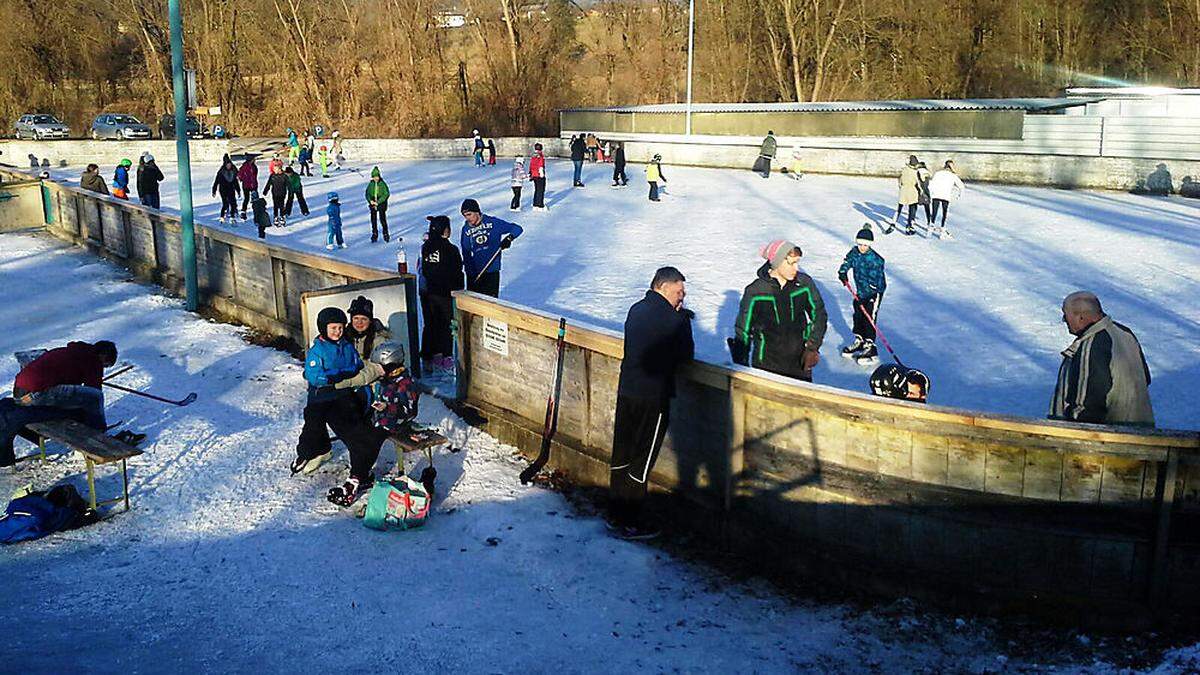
[1156,138]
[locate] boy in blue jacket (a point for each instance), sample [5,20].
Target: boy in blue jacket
[333,229]
[331,359]
[483,237]
[870,283]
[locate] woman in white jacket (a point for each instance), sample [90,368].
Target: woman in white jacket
[944,187]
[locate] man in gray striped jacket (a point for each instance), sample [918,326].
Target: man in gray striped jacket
[1103,378]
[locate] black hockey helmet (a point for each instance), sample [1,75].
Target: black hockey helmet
[892,380]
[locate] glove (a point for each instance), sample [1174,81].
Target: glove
[740,352]
[506,241]
[843,278]
[810,358]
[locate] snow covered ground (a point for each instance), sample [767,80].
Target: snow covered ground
[979,313]
[228,564]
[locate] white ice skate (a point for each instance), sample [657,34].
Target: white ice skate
[869,354]
[315,463]
[329,247]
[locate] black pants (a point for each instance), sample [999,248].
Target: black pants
[539,192]
[488,284]
[228,203]
[638,431]
[299,195]
[151,199]
[912,211]
[619,175]
[862,309]
[762,165]
[653,191]
[928,215]
[516,200]
[945,209]
[436,338]
[345,416]
[378,219]
[247,197]
[277,203]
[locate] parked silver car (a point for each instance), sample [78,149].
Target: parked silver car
[119,127]
[40,127]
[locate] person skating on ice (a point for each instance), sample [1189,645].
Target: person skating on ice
[377,194]
[441,274]
[945,187]
[483,239]
[654,176]
[909,195]
[333,223]
[519,176]
[870,281]
[226,182]
[295,191]
[278,187]
[619,177]
[537,174]
[248,177]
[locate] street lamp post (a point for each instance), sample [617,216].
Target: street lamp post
[691,44]
[183,158]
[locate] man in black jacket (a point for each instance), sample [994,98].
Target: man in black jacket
[441,274]
[782,320]
[577,151]
[658,338]
[619,177]
[148,178]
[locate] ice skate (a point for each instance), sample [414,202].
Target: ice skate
[869,354]
[852,349]
[350,491]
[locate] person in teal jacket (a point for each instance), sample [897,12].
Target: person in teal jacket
[331,359]
[870,282]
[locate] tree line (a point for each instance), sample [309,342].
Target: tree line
[402,68]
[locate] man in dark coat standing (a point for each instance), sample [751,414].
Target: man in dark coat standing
[658,338]
[766,153]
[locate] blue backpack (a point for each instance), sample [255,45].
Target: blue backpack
[38,514]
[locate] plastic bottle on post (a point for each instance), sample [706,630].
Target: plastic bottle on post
[401,258]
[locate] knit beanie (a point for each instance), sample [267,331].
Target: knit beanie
[332,196]
[865,236]
[362,306]
[470,206]
[777,252]
[437,225]
[375,173]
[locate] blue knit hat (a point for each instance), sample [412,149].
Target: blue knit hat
[332,196]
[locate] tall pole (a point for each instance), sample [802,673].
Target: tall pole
[183,158]
[691,43]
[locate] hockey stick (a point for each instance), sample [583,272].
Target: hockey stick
[489,262]
[859,308]
[122,371]
[186,400]
[551,410]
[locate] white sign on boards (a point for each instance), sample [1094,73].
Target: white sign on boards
[495,336]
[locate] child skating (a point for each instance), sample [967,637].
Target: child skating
[519,176]
[323,161]
[333,226]
[870,283]
[654,176]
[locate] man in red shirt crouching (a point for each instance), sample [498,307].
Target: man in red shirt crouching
[68,378]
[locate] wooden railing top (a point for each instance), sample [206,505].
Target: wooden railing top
[725,377]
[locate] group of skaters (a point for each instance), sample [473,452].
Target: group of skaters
[933,192]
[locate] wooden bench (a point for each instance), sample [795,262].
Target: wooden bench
[96,448]
[421,439]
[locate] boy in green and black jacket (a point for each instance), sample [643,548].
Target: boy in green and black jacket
[782,320]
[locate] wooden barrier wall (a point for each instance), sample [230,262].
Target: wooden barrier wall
[252,282]
[887,494]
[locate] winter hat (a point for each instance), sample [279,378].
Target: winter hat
[865,236]
[437,225]
[324,149]
[375,173]
[475,132]
[125,162]
[327,316]
[362,306]
[518,160]
[776,252]
[470,206]
[332,196]
[537,146]
[148,157]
